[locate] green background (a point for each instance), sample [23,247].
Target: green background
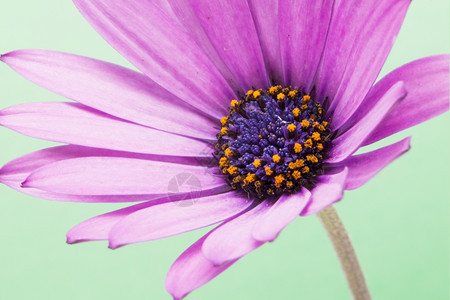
[398,221]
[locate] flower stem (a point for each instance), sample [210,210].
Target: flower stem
[344,249]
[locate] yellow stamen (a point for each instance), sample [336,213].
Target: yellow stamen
[224,131]
[295,112]
[279,180]
[296,174]
[305,123]
[289,184]
[258,185]
[292,94]
[224,162]
[315,136]
[276,158]
[298,148]
[257,163]
[297,164]
[256,94]
[319,147]
[304,107]
[306,98]
[228,152]
[234,103]
[325,123]
[280,97]
[268,171]
[232,170]
[224,121]
[308,143]
[249,92]
[312,158]
[274,89]
[291,127]
[250,178]
[305,169]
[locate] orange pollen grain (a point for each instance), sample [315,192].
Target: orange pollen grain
[279,180]
[305,123]
[315,136]
[268,171]
[291,127]
[308,143]
[276,158]
[257,163]
[296,175]
[298,148]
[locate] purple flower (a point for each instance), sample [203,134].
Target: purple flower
[255,106]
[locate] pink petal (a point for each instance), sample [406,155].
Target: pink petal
[165,220]
[73,123]
[281,214]
[427,84]
[228,27]
[112,89]
[16,184]
[328,190]
[234,238]
[349,141]
[362,167]
[303,29]
[265,15]
[98,228]
[191,270]
[118,176]
[16,171]
[360,38]
[161,49]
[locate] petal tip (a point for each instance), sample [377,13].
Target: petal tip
[114,244]
[70,240]
[26,184]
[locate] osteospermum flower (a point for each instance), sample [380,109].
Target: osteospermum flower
[258,105]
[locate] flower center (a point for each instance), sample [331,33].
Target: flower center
[272,142]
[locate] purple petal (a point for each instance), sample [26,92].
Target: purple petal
[162,49]
[165,6]
[118,176]
[360,38]
[348,142]
[234,238]
[98,228]
[427,84]
[328,190]
[73,123]
[191,270]
[282,212]
[16,171]
[168,219]
[112,89]
[362,167]
[16,184]
[229,28]
[265,15]
[303,31]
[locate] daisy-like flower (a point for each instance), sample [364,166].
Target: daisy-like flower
[259,105]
